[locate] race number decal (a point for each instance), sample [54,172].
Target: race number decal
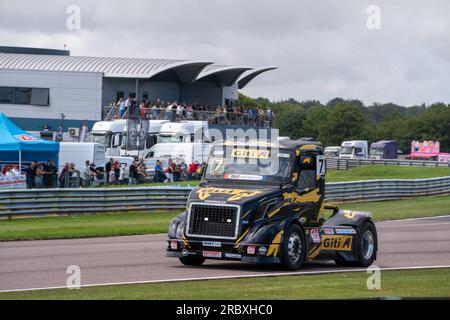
[320,165]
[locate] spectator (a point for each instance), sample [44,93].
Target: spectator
[116,170]
[50,174]
[108,167]
[121,104]
[160,176]
[141,173]
[64,176]
[39,175]
[87,175]
[133,173]
[192,170]
[123,174]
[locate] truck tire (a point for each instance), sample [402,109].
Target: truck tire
[192,261]
[366,248]
[293,248]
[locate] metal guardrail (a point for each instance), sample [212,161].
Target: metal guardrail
[78,201]
[345,164]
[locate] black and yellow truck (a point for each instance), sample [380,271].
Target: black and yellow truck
[263,202]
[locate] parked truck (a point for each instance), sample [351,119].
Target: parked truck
[355,149]
[332,152]
[109,134]
[385,149]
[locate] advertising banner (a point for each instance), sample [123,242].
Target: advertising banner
[425,149]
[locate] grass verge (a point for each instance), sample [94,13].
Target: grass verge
[86,226]
[406,284]
[385,172]
[125,224]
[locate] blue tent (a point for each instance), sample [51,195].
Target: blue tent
[18,146]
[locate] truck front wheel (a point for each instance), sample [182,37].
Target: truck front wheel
[293,248]
[192,261]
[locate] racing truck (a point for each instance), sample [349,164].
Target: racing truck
[263,202]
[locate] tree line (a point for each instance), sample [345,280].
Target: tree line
[341,119]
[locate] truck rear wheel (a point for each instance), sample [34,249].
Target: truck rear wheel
[366,248]
[293,248]
[192,261]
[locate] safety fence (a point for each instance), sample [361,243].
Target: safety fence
[345,164]
[79,201]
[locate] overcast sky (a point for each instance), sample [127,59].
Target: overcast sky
[323,49]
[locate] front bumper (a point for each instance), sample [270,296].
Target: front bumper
[226,251]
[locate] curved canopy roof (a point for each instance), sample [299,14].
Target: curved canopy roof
[109,67]
[222,75]
[183,71]
[251,74]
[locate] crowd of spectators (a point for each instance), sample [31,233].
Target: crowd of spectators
[177,171]
[45,175]
[174,111]
[42,175]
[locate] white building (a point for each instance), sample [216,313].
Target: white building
[38,85]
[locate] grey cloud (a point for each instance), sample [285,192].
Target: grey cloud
[323,48]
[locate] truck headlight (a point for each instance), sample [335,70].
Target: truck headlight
[173,228]
[176,229]
[179,232]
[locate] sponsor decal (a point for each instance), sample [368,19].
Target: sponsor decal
[212,244]
[338,243]
[262,250]
[236,194]
[328,231]
[250,153]
[212,254]
[173,245]
[25,137]
[247,177]
[233,256]
[284,155]
[349,214]
[251,250]
[345,231]
[315,235]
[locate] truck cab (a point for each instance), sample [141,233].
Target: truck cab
[332,152]
[385,149]
[357,149]
[263,202]
[187,140]
[109,134]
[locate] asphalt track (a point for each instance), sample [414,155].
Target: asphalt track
[43,264]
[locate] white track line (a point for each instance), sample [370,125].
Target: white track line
[265,275]
[414,219]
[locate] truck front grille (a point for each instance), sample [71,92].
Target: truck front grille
[213,221]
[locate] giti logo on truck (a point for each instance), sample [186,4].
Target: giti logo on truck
[343,243]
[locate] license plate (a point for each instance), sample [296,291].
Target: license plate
[212,254]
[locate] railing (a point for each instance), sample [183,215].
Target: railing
[345,164]
[78,201]
[214,118]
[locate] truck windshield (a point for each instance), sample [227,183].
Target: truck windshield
[170,139]
[102,138]
[376,152]
[249,165]
[347,150]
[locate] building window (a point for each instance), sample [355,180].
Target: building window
[31,96]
